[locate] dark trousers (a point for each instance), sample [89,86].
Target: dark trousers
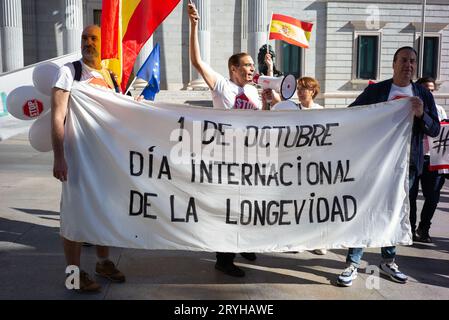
[431,184]
[224,258]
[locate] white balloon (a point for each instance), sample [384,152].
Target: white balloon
[25,103]
[44,76]
[285,105]
[40,133]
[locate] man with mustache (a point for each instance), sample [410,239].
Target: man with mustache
[90,71]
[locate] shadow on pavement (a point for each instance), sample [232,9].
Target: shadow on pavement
[37,211]
[32,263]
[424,269]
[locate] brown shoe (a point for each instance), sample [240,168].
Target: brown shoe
[87,284]
[108,270]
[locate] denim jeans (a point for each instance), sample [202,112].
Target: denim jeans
[388,253]
[355,255]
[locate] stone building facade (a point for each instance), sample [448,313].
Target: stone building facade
[352,42]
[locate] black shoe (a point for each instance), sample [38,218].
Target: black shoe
[415,238]
[249,256]
[423,236]
[425,239]
[230,269]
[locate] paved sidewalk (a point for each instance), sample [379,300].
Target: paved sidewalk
[32,262]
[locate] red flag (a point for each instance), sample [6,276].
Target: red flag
[110,15]
[137,21]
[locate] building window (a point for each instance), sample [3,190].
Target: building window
[97,17]
[291,58]
[431,56]
[367,57]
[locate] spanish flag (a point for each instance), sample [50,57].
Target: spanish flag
[290,30]
[126,25]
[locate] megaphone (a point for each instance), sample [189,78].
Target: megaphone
[286,86]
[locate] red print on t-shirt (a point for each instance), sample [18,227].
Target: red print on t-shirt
[98,82]
[243,102]
[398,97]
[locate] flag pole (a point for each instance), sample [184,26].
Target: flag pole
[130,85]
[269,28]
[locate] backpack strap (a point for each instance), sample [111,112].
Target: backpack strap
[116,86]
[78,69]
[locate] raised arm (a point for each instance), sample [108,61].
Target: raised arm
[269,62]
[59,100]
[195,56]
[269,97]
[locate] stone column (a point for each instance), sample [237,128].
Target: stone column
[11,34]
[140,84]
[244,27]
[30,38]
[257,26]
[73,25]
[203,7]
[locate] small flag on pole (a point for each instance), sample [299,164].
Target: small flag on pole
[290,30]
[150,71]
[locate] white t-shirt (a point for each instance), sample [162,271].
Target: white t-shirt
[290,105]
[313,106]
[99,78]
[397,92]
[285,105]
[228,95]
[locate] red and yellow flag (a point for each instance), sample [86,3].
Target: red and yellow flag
[126,25]
[290,30]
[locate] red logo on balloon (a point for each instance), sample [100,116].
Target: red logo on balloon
[33,108]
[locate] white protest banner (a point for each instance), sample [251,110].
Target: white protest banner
[176,177]
[439,148]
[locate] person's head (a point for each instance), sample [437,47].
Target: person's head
[241,68]
[428,83]
[308,88]
[91,43]
[404,65]
[261,65]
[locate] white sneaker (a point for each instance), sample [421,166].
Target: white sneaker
[346,277]
[392,270]
[320,252]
